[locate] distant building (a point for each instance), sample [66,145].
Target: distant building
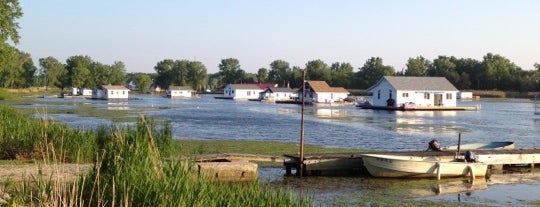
[245,91]
[84,92]
[321,92]
[110,92]
[180,91]
[397,91]
[278,94]
[464,95]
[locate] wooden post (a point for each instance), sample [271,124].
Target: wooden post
[459,143]
[301,161]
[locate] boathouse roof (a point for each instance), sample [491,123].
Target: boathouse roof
[280,90]
[322,86]
[414,83]
[114,87]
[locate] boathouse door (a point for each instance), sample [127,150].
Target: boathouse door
[437,101]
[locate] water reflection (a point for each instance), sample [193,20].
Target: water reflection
[515,189]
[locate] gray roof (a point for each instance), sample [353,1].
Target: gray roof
[281,90]
[414,83]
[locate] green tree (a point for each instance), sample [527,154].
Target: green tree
[469,72]
[230,71]
[117,73]
[318,70]
[78,68]
[17,70]
[342,74]
[371,72]
[262,75]
[164,68]
[500,72]
[11,72]
[296,77]
[53,72]
[10,11]
[444,66]
[279,72]
[417,66]
[197,75]
[143,81]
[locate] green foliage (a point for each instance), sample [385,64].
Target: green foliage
[371,72]
[417,66]
[230,71]
[318,70]
[132,171]
[142,81]
[54,72]
[4,95]
[279,72]
[16,68]
[342,74]
[181,73]
[24,137]
[10,12]
[262,75]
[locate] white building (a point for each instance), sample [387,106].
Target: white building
[278,94]
[180,91]
[321,92]
[110,92]
[245,91]
[84,92]
[397,91]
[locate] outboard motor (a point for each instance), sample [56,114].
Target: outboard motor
[434,145]
[470,156]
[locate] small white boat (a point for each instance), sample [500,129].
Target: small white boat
[483,146]
[395,166]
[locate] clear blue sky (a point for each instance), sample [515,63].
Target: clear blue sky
[141,33]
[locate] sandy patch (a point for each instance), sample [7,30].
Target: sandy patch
[67,172]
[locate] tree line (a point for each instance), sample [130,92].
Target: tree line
[17,70]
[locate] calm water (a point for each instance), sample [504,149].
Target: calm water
[208,118]
[347,126]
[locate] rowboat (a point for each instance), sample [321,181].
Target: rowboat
[397,166]
[483,145]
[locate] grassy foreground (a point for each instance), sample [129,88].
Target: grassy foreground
[130,169]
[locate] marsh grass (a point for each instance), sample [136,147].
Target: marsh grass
[129,169]
[190,147]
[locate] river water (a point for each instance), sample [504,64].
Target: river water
[208,118]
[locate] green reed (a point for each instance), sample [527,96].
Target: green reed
[130,168]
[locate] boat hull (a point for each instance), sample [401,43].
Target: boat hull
[418,167]
[483,145]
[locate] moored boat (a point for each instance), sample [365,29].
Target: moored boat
[396,166]
[483,145]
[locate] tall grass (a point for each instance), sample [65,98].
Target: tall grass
[24,138]
[130,169]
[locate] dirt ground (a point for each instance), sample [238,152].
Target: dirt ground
[19,172]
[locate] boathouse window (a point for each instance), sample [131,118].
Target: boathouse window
[426,95]
[379,94]
[448,96]
[405,95]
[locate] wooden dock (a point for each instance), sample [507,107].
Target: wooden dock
[351,163]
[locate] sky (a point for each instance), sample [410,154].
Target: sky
[140,33]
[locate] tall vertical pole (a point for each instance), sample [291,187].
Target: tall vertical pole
[301,162]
